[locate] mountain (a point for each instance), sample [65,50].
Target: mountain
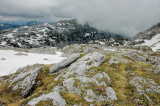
[57,34]
[32,23]
[150,37]
[17,25]
[103,71]
[8,26]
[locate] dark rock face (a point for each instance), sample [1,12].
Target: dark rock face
[57,34]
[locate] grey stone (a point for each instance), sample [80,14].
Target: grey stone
[145,85]
[55,97]
[26,81]
[69,83]
[157,71]
[113,60]
[111,94]
[64,63]
[89,60]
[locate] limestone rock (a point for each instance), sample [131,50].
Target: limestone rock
[145,85]
[69,83]
[113,60]
[77,74]
[28,83]
[90,60]
[157,71]
[64,63]
[111,94]
[81,48]
[55,97]
[136,57]
[25,81]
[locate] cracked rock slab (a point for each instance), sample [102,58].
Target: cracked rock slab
[64,63]
[25,81]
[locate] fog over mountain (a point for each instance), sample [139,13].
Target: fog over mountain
[126,17]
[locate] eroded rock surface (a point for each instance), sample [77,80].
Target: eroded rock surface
[145,85]
[64,63]
[55,97]
[26,80]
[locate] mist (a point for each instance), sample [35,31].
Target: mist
[126,17]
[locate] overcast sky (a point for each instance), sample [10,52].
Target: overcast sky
[117,16]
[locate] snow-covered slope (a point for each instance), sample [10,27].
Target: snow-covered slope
[154,43]
[150,37]
[11,61]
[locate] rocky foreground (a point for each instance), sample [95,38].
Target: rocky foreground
[91,75]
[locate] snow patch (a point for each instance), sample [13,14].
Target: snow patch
[154,43]
[9,35]
[14,62]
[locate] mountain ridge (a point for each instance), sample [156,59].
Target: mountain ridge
[149,37]
[58,34]
[9,25]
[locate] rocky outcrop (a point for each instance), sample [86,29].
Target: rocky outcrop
[83,74]
[140,47]
[111,94]
[55,97]
[136,57]
[145,85]
[90,60]
[26,80]
[64,63]
[154,60]
[81,48]
[157,71]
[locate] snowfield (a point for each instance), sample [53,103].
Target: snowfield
[154,43]
[11,61]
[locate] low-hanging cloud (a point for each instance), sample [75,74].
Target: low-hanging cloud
[126,17]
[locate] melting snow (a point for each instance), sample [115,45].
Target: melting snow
[154,43]
[10,62]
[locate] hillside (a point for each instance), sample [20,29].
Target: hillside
[8,25]
[58,34]
[150,37]
[90,75]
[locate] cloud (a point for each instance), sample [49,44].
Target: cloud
[126,17]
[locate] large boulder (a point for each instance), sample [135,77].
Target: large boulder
[81,77]
[64,63]
[89,60]
[25,80]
